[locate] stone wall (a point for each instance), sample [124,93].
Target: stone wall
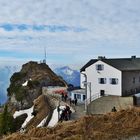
[106,103]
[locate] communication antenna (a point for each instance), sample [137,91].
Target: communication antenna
[44,60]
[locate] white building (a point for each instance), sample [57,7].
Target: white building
[119,77]
[79,94]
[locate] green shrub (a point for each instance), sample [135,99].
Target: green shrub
[20,93]
[14,86]
[6,122]
[18,90]
[32,84]
[17,76]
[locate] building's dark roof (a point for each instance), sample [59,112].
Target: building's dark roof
[123,64]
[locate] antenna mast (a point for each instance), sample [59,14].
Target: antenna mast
[44,61]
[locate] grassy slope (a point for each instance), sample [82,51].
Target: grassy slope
[124,123]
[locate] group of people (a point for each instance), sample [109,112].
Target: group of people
[73,101]
[64,97]
[66,114]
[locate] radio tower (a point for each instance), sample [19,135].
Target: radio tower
[44,60]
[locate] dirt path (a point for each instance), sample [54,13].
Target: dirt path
[79,111]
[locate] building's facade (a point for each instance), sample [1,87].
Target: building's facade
[79,94]
[130,82]
[120,77]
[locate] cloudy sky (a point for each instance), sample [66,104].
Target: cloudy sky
[73,31]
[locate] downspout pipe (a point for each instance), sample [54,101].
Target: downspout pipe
[85,83]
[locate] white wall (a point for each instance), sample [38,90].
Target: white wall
[82,79]
[108,72]
[79,100]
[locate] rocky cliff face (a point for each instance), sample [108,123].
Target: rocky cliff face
[26,85]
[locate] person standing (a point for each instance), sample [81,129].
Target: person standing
[114,109]
[75,101]
[58,110]
[65,97]
[62,96]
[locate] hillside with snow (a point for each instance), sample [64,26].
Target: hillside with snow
[120,125]
[69,75]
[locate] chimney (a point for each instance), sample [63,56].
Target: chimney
[101,57]
[133,57]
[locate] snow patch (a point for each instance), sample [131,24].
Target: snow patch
[54,120]
[25,84]
[42,123]
[26,111]
[68,71]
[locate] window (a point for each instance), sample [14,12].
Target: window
[102,80]
[99,67]
[133,79]
[78,96]
[113,81]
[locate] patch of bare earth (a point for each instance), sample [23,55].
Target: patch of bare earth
[118,125]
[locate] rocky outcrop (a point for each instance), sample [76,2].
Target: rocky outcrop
[26,85]
[42,109]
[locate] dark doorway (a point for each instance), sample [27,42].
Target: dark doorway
[84,97]
[75,96]
[102,92]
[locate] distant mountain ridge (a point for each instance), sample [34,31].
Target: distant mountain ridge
[69,75]
[5,74]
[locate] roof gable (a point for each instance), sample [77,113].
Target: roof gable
[123,64]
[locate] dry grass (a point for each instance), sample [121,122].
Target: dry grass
[42,106]
[117,125]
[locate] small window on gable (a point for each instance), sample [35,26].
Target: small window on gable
[102,80]
[99,67]
[114,81]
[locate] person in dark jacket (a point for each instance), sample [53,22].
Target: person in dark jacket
[65,97]
[62,116]
[62,96]
[75,101]
[114,109]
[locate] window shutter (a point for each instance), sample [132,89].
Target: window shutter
[102,67]
[99,80]
[96,67]
[117,81]
[110,80]
[105,80]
